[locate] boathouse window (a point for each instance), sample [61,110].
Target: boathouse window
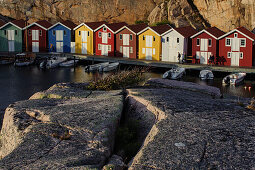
[228,42]
[64,33]
[241,55]
[109,35]
[198,42]
[178,40]
[229,54]
[131,37]
[99,34]
[210,42]
[16,32]
[167,39]
[235,35]
[5,32]
[104,29]
[29,32]
[121,49]
[99,46]
[120,36]
[109,48]
[143,37]
[79,33]
[131,50]
[40,32]
[154,39]
[53,32]
[243,43]
[88,33]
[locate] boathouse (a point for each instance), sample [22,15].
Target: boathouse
[177,40]
[37,34]
[205,44]
[61,36]
[84,37]
[237,47]
[150,46]
[12,36]
[127,41]
[105,38]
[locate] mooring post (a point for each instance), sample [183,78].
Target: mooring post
[74,65]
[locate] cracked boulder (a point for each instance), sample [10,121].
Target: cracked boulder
[61,132]
[193,129]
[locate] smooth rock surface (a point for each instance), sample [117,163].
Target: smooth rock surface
[70,130]
[195,131]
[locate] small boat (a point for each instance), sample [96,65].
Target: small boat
[55,61]
[6,61]
[43,64]
[174,73]
[69,63]
[206,75]
[96,67]
[233,79]
[110,67]
[24,59]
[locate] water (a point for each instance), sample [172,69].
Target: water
[19,83]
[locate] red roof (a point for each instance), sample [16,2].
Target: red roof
[116,26]
[69,24]
[215,32]
[20,23]
[44,24]
[137,28]
[246,32]
[95,25]
[186,31]
[2,23]
[161,28]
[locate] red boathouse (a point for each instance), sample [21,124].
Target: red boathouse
[204,44]
[37,34]
[105,38]
[237,47]
[127,41]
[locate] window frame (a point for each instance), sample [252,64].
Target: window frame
[99,47]
[198,42]
[167,39]
[154,38]
[131,37]
[178,40]
[88,34]
[244,42]
[143,38]
[16,32]
[29,32]
[241,54]
[40,32]
[100,34]
[109,35]
[104,29]
[236,35]
[229,55]
[226,43]
[121,37]
[109,48]
[65,33]
[54,33]
[209,44]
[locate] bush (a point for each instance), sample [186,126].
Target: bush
[121,80]
[141,22]
[161,23]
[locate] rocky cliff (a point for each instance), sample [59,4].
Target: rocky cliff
[225,14]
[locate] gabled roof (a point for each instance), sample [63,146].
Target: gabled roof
[68,24]
[113,27]
[242,30]
[2,23]
[212,31]
[43,24]
[186,31]
[159,30]
[17,23]
[133,28]
[91,25]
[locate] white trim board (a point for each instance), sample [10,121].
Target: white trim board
[83,24]
[203,32]
[147,28]
[236,30]
[36,25]
[104,25]
[124,28]
[58,24]
[11,24]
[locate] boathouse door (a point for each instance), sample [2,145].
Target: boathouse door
[84,36]
[126,52]
[203,58]
[84,48]
[148,53]
[72,47]
[235,58]
[125,39]
[104,38]
[59,47]
[35,39]
[59,41]
[11,40]
[172,55]
[104,50]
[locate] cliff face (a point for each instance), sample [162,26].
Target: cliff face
[225,14]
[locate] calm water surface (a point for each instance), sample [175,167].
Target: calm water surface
[19,83]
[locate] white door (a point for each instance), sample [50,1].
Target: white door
[126,52]
[203,58]
[10,36]
[72,47]
[59,35]
[125,39]
[104,50]
[148,53]
[235,59]
[84,37]
[35,35]
[59,47]
[104,38]
[11,46]
[235,44]
[84,48]
[35,47]
[204,45]
[148,41]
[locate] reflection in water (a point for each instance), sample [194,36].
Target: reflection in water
[19,83]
